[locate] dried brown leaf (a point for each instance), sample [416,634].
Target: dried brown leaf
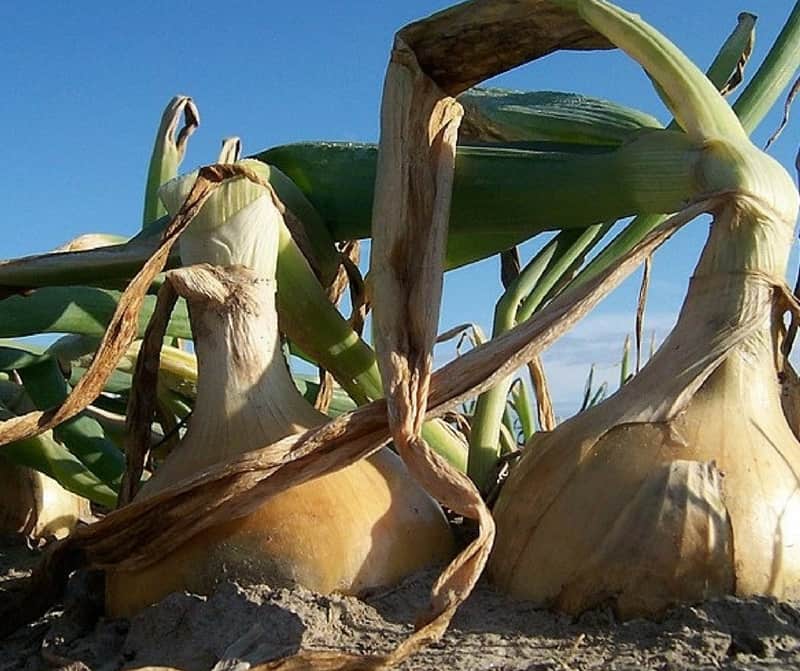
[787,106]
[544,402]
[416,164]
[640,307]
[181,105]
[351,255]
[462,332]
[142,402]
[325,392]
[472,41]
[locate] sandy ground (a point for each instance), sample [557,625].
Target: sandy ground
[242,625]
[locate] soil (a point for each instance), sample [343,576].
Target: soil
[239,626]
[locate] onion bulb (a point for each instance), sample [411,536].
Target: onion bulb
[361,527]
[684,484]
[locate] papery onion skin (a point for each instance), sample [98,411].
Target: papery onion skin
[743,538]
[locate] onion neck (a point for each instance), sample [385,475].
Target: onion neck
[751,235]
[747,252]
[753,231]
[246,398]
[728,325]
[727,331]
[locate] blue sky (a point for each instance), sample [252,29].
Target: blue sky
[85,84]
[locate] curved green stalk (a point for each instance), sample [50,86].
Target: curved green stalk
[79,310]
[770,79]
[168,151]
[523,406]
[691,97]
[327,338]
[576,246]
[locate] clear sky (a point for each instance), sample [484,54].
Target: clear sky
[85,84]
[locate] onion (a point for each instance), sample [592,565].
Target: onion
[684,484]
[364,526]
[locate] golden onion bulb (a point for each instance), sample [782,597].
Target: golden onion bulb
[686,483]
[365,526]
[361,527]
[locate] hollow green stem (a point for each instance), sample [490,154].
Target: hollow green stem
[649,173]
[769,80]
[523,406]
[485,428]
[575,245]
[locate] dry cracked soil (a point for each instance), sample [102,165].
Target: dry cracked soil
[241,625]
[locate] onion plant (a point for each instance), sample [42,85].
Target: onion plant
[593,508]
[683,484]
[362,527]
